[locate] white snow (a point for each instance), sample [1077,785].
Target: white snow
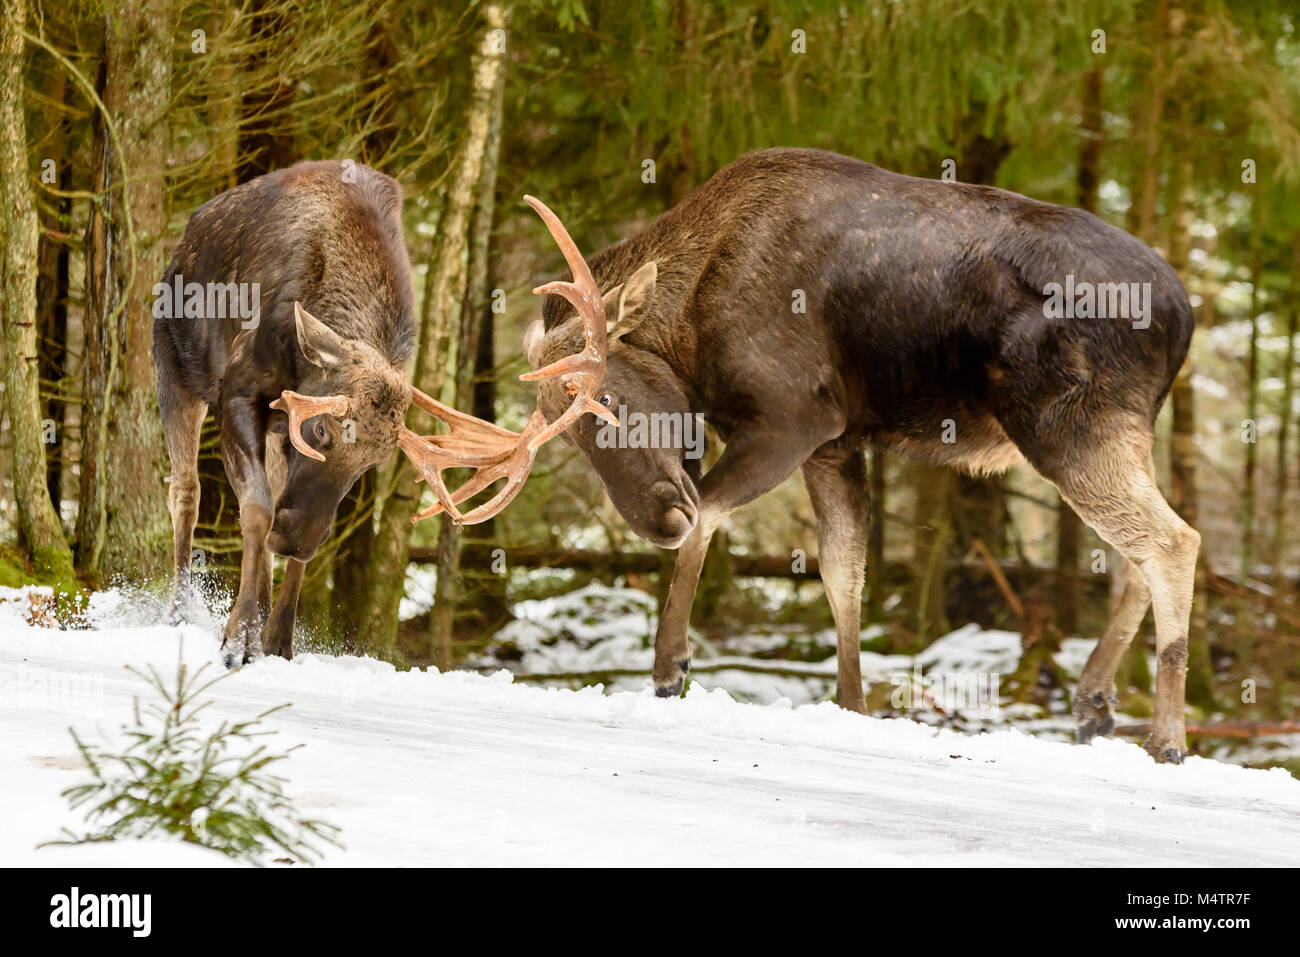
[420,768]
[596,630]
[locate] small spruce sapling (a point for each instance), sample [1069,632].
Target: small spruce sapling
[212,790]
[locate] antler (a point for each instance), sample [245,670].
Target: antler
[514,466]
[495,452]
[471,443]
[303,407]
[582,373]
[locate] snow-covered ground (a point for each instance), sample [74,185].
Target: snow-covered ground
[462,769]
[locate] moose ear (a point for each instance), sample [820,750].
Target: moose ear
[319,343]
[633,298]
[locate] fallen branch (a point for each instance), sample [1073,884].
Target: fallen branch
[1223,729]
[1226,586]
[478,556]
[588,677]
[999,579]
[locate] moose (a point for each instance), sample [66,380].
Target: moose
[307,404]
[808,304]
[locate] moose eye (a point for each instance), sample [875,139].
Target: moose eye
[322,433]
[606,399]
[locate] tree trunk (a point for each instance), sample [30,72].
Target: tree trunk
[1182,448]
[52,292]
[930,545]
[715,575]
[37,520]
[1068,526]
[1068,532]
[715,579]
[444,284]
[876,540]
[1252,403]
[265,138]
[352,581]
[475,308]
[1142,211]
[1279,551]
[489,595]
[1133,671]
[122,526]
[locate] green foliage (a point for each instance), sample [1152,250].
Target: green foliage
[171,779]
[13,570]
[42,569]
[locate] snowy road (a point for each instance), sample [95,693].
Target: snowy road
[428,769]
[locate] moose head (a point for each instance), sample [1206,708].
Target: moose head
[654,487]
[346,419]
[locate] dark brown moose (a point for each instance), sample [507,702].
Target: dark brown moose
[807,304]
[312,391]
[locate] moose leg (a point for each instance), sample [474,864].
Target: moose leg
[1114,490]
[752,464]
[242,450]
[253,602]
[672,638]
[182,419]
[1096,691]
[836,480]
[277,636]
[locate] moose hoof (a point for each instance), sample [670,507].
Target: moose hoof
[1093,717]
[1090,728]
[276,649]
[230,658]
[274,644]
[674,688]
[1165,753]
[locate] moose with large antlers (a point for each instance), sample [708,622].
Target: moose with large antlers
[314,392]
[808,304]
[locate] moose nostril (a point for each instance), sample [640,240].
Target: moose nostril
[665,491]
[675,500]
